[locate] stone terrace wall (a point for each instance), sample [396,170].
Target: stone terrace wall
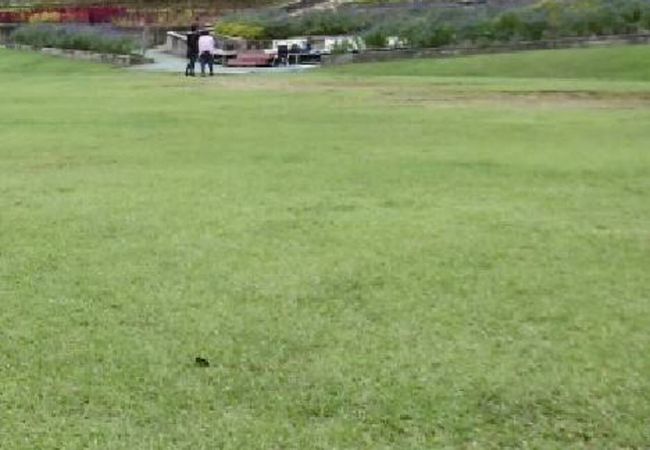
[441,52]
[116,60]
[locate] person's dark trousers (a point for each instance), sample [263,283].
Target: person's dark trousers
[207,59]
[189,70]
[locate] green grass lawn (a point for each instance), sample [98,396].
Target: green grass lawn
[609,63]
[367,262]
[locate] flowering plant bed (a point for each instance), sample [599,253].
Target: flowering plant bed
[117,15]
[90,15]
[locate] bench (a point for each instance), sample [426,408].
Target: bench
[252,59]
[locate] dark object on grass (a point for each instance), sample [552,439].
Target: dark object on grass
[201,362]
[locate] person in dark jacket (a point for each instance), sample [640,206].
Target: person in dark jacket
[192,50]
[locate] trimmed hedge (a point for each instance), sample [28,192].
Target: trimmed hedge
[73,37]
[281,25]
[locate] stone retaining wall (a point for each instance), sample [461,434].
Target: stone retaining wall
[83,55]
[442,52]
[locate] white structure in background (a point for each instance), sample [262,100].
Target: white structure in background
[321,44]
[300,42]
[312,45]
[352,43]
[395,42]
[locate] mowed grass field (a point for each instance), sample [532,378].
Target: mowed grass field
[416,256]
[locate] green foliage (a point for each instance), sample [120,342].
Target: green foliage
[548,19]
[71,37]
[331,23]
[508,27]
[277,26]
[428,33]
[376,38]
[244,30]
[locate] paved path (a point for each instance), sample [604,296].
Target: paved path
[164,62]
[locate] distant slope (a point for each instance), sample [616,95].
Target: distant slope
[620,63]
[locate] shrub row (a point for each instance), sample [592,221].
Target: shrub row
[279,25]
[548,19]
[73,37]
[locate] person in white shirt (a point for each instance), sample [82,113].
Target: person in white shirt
[206,52]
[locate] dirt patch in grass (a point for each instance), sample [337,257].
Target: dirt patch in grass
[531,99]
[437,95]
